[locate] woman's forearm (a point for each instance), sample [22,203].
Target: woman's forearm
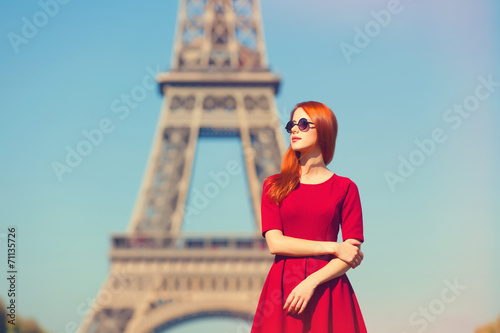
[349,251]
[297,247]
[299,297]
[333,269]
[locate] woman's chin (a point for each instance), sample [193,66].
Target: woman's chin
[298,147]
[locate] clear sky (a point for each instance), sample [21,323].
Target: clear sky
[418,99]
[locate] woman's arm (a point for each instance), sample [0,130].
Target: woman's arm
[347,251]
[298,299]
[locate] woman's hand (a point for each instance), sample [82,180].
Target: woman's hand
[298,299]
[350,252]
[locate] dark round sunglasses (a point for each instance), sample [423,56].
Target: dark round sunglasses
[303,125]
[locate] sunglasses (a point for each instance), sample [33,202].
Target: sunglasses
[303,125]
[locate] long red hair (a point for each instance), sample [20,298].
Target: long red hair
[326,126]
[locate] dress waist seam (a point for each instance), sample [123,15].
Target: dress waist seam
[326,257]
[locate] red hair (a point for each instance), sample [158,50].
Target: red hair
[325,122]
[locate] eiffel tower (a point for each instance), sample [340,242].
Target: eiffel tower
[219,85]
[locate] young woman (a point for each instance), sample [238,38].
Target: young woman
[303,208]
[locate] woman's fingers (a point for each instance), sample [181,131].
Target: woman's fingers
[295,304]
[290,302]
[350,252]
[298,299]
[291,307]
[356,261]
[287,303]
[303,307]
[298,306]
[354,242]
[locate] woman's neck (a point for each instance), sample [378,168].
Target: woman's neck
[312,165]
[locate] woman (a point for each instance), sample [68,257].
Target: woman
[302,209]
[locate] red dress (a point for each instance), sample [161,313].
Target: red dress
[314,212]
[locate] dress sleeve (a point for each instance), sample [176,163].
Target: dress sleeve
[270,213]
[352,216]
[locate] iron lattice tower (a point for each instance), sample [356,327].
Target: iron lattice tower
[219,85]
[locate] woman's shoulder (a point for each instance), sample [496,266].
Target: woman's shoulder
[344,182]
[272,177]
[267,180]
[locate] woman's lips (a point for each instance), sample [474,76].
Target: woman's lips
[295,138]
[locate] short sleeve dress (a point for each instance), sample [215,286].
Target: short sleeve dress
[314,212]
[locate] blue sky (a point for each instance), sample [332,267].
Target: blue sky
[435,228]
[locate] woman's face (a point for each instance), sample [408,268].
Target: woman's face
[302,141]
